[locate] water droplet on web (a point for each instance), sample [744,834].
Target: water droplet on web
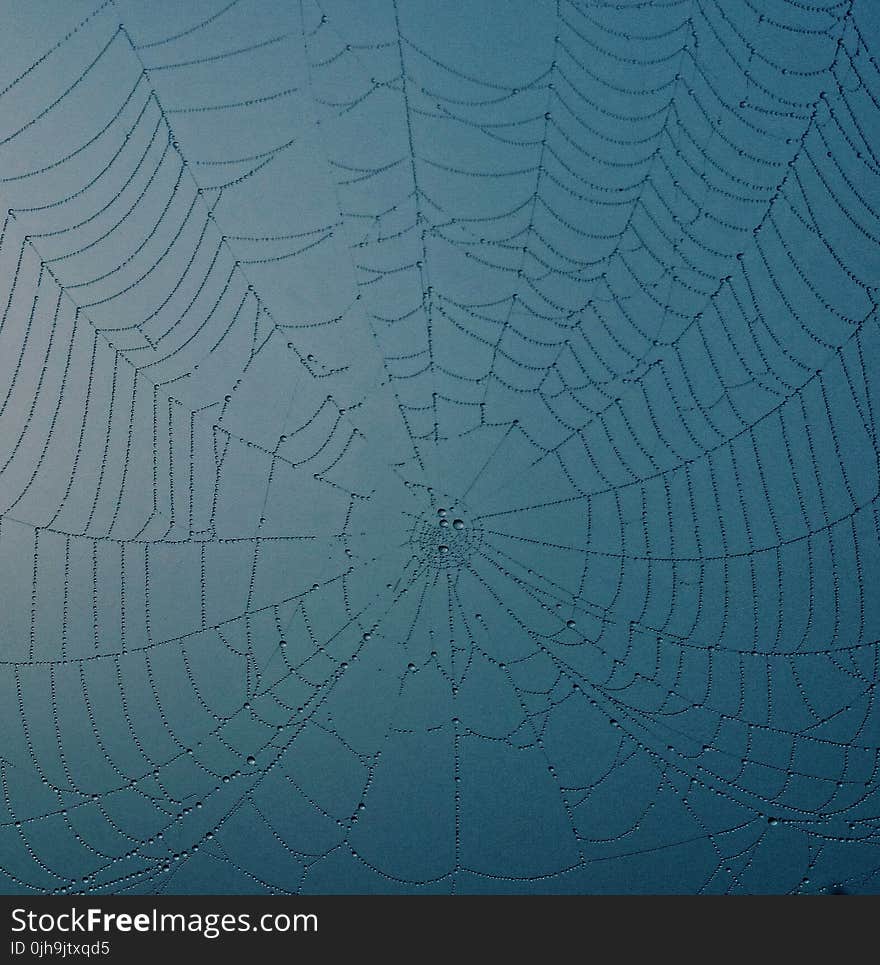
[570,624]
[444,522]
[441,512]
[443,548]
[458,524]
[251,759]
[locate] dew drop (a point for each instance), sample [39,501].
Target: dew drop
[251,759]
[443,548]
[458,524]
[570,624]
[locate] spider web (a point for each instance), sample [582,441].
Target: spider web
[439,446]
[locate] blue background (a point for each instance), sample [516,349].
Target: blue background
[438,446]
